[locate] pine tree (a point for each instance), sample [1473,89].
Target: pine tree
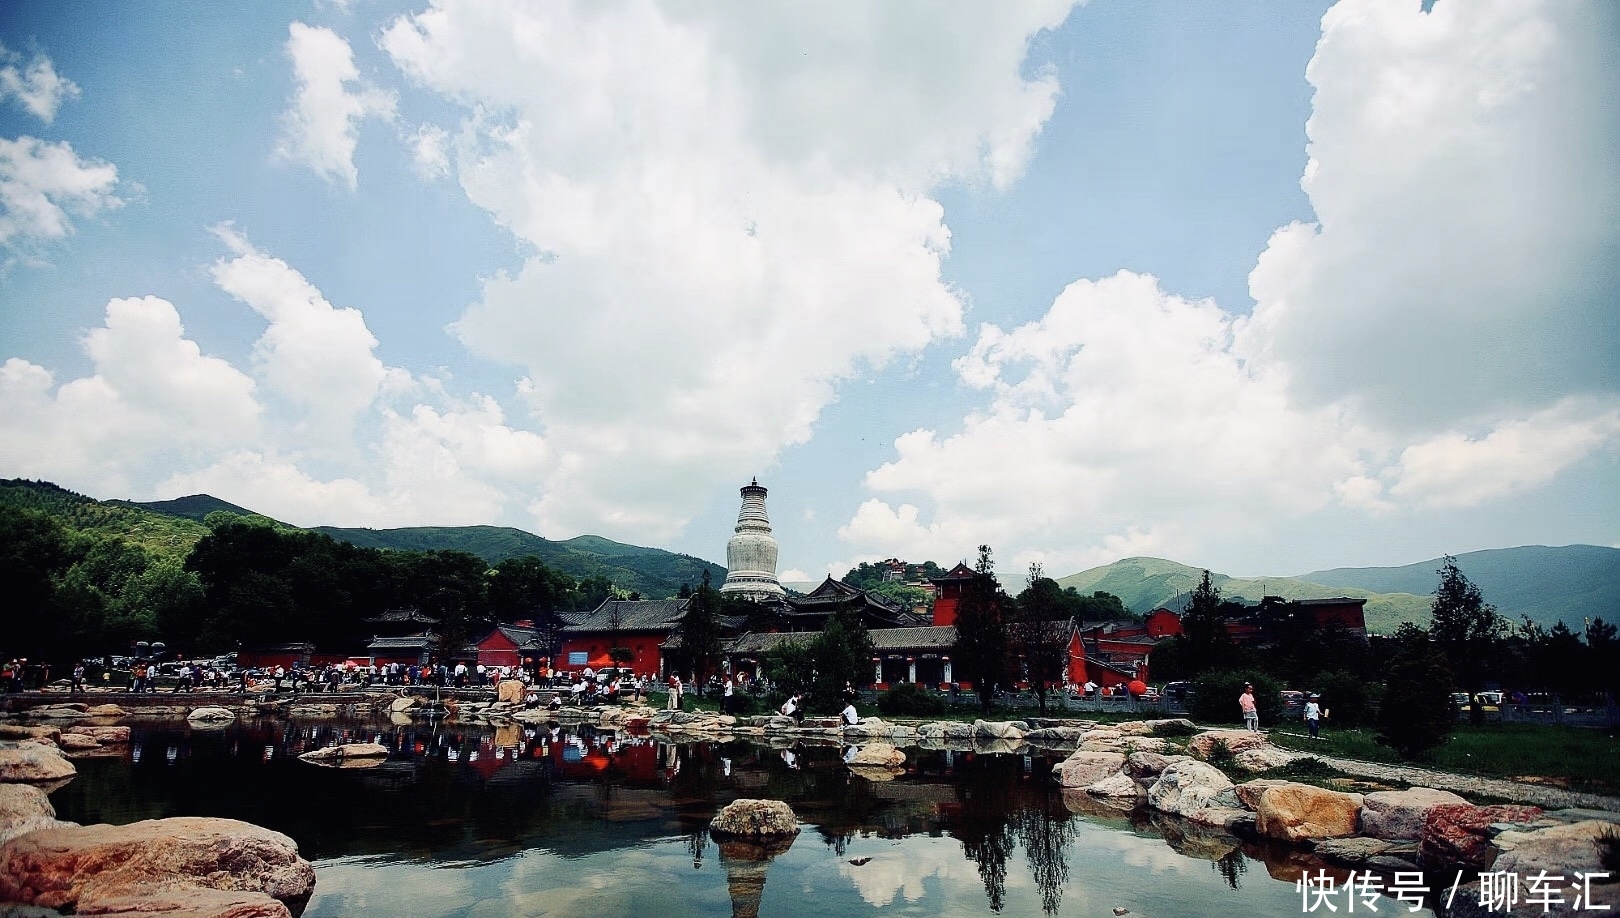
[1466,630]
[981,631]
[1416,714]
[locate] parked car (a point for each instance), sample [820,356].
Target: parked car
[1178,692]
[1293,702]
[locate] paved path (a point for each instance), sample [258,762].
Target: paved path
[1552,798]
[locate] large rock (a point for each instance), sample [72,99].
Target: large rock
[30,732]
[1459,835]
[1084,768]
[998,729]
[1556,849]
[106,736]
[211,714]
[34,764]
[404,703]
[1295,812]
[1264,757]
[24,808]
[105,710]
[1356,850]
[144,865]
[78,742]
[880,754]
[347,751]
[748,817]
[1147,766]
[1234,740]
[1399,814]
[511,691]
[1187,787]
[1249,791]
[1118,784]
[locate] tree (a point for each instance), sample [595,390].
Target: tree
[700,631]
[1203,643]
[1466,630]
[1416,715]
[980,654]
[1040,634]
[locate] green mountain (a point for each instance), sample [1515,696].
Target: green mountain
[1145,584]
[195,507]
[652,572]
[163,535]
[1571,583]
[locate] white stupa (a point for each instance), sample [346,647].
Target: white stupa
[751,553]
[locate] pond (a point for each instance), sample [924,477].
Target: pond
[466,820]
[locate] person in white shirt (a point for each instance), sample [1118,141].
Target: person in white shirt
[848,716]
[1313,716]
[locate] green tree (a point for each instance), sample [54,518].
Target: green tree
[980,653]
[1466,630]
[1203,642]
[1416,714]
[700,632]
[1040,633]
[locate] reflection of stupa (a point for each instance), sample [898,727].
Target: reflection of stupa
[751,553]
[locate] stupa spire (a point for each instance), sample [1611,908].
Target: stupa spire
[751,552]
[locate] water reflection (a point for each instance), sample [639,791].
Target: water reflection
[548,820]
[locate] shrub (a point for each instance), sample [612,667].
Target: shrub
[1608,842]
[1347,698]
[1216,697]
[910,699]
[1416,714]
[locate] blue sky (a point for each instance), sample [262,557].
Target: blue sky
[1259,287]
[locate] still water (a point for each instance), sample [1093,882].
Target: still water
[476,821]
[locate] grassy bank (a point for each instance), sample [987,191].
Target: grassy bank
[1579,759]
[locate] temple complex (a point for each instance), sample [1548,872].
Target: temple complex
[751,552]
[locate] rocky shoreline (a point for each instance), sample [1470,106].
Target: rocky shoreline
[225,867]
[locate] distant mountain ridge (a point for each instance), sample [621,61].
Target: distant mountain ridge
[1572,584]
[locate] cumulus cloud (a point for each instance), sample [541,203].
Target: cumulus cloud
[430,150]
[729,211]
[36,85]
[317,356]
[1442,336]
[44,184]
[321,126]
[153,397]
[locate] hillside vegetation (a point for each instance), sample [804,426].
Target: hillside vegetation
[159,534]
[1545,584]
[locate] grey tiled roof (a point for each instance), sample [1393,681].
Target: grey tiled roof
[931,637]
[634,615]
[408,642]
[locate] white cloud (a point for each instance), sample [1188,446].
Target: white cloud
[1455,470]
[36,86]
[430,151]
[317,356]
[730,213]
[1463,167]
[153,398]
[321,126]
[42,183]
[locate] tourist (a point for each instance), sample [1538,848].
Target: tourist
[278,675]
[1313,716]
[794,708]
[78,678]
[1251,714]
[848,717]
[726,696]
[674,692]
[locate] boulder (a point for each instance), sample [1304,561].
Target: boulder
[1264,757]
[998,729]
[946,730]
[105,710]
[511,691]
[211,713]
[1053,736]
[1084,768]
[69,711]
[1296,812]
[1118,784]
[1147,766]
[749,817]
[880,754]
[1354,850]
[1234,740]
[106,736]
[1249,791]
[404,703]
[152,865]
[1399,814]
[1459,835]
[1184,788]
[1555,849]
[24,808]
[77,742]
[1171,726]
[34,764]
[346,751]
[1134,728]
[34,732]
